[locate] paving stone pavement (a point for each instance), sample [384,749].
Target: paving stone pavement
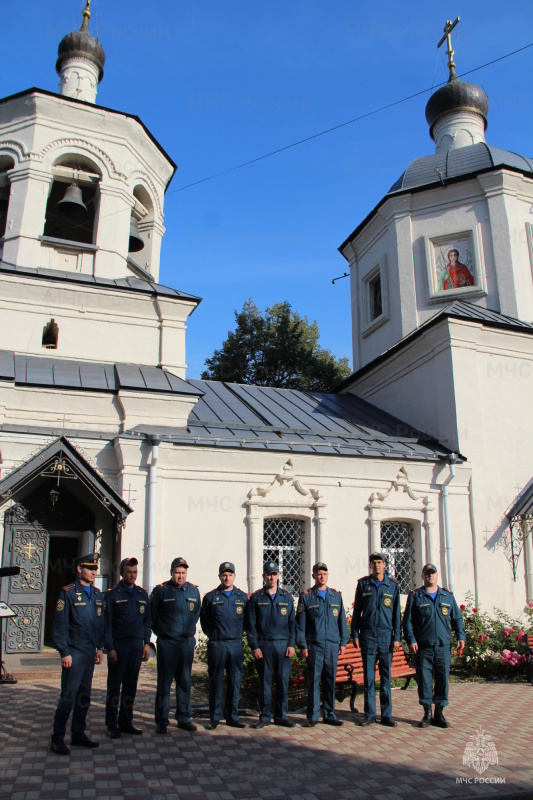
[303,763]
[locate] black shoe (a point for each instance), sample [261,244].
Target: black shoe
[367,721]
[113,733]
[262,723]
[427,719]
[335,722]
[132,730]
[162,729]
[233,723]
[309,723]
[284,723]
[82,740]
[439,719]
[389,722]
[213,725]
[187,726]
[59,748]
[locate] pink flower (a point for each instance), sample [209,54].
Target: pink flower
[530,604]
[506,654]
[481,637]
[521,636]
[474,610]
[462,606]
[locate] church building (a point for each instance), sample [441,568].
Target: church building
[106,445]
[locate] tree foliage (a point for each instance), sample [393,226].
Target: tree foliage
[278,348]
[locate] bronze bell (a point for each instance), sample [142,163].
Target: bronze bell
[72,204]
[136,243]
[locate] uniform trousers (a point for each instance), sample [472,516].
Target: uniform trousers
[377,648]
[321,666]
[433,662]
[224,655]
[76,683]
[174,661]
[124,672]
[274,663]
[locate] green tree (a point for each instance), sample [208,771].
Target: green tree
[278,348]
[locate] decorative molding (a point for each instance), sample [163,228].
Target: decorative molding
[12,145]
[83,144]
[139,177]
[289,480]
[399,484]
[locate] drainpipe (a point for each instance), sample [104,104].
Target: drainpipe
[474,540]
[449,569]
[149,536]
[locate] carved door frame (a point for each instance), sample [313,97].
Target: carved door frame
[26,546]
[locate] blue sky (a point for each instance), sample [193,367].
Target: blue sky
[219,82]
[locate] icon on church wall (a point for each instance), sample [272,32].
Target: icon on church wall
[454,264]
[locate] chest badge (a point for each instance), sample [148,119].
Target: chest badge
[239,609]
[283,612]
[60,605]
[191,606]
[335,612]
[387,601]
[99,611]
[141,609]
[445,612]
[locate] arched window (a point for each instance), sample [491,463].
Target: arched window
[6,163]
[397,545]
[71,210]
[283,539]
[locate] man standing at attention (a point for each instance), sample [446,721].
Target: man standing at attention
[322,634]
[430,614]
[270,626]
[78,634]
[376,630]
[175,611]
[222,621]
[127,636]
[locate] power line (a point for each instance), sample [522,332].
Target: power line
[341,124]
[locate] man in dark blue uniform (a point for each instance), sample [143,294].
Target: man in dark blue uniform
[222,620]
[322,634]
[376,630]
[175,611]
[270,626]
[78,634]
[127,636]
[430,614]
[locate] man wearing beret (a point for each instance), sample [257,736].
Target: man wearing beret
[78,634]
[127,636]
[222,620]
[322,634]
[430,614]
[376,630]
[175,608]
[270,626]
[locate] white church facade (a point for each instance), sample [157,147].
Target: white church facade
[106,444]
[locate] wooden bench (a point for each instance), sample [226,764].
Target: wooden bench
[350,672]
[529,657]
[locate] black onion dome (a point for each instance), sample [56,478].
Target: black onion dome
[456,95]
[81,43]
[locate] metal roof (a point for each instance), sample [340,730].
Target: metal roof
[246,417]
[89,375]
[125,284]
[524,504]
[459,309]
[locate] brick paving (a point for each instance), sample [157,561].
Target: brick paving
[303,763]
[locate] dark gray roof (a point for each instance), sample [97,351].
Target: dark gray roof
[130,283]
[458,163]
[89,375]
[459,309]
[246,417]
[524,503]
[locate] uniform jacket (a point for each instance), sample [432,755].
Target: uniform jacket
[376,609]
[78,620]
[429,622]
[267,620]
[127,616]
[175,610]
[321,621]
[222,617]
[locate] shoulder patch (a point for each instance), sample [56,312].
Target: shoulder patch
[393,579]
[68,587]
[334,590]
[445,590]
[364,578]
[257,591]
[192,584]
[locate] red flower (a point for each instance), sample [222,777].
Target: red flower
[474,610]
[455,652]
[462,606]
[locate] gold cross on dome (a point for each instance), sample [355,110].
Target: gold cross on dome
[448,28]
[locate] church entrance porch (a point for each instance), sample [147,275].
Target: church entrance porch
[57,507]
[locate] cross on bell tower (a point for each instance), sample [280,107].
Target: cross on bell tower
[448,28]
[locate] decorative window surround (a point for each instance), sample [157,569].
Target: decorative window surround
[370,320]
[468,268]
[285,497]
